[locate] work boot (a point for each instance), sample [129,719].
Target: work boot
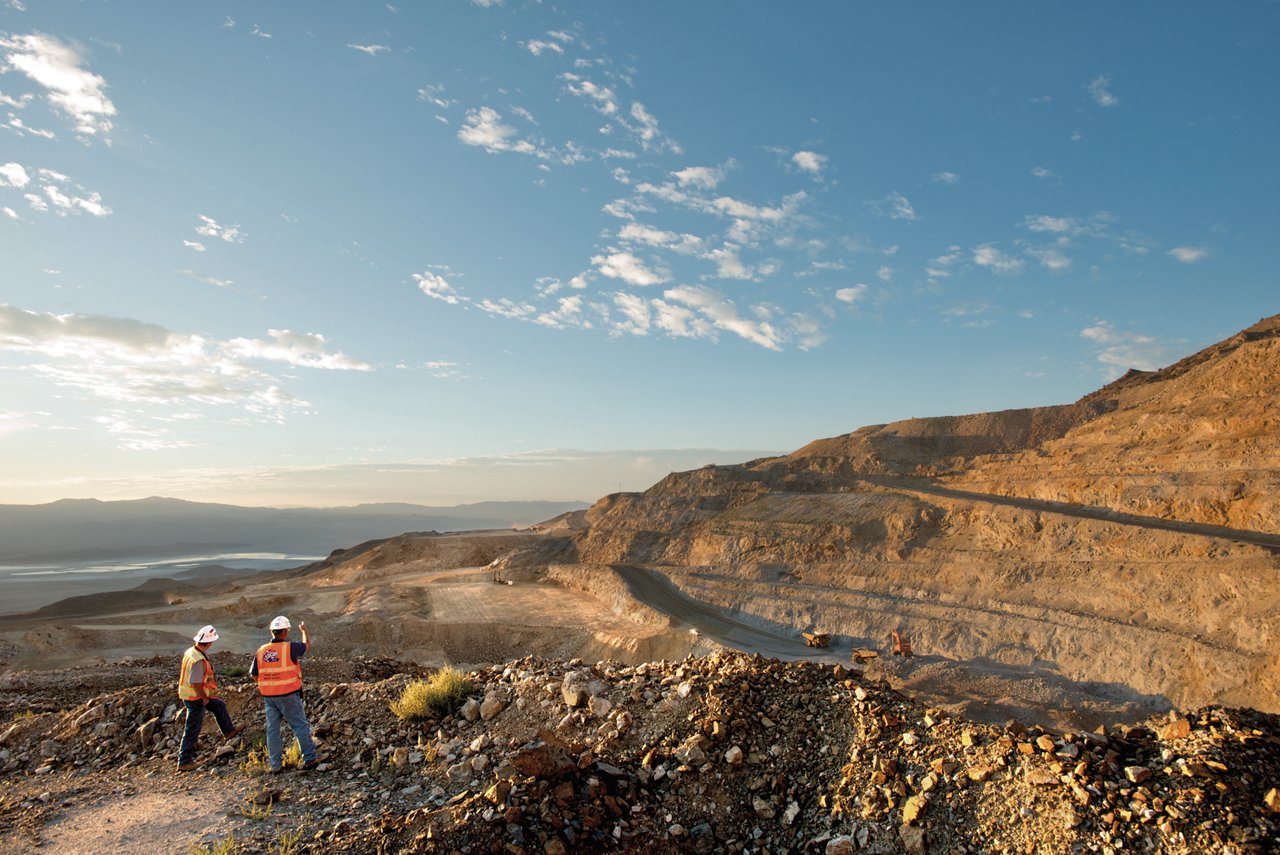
[235,731]
[189,766]
[310,764]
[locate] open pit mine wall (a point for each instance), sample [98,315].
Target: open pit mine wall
[1167,615]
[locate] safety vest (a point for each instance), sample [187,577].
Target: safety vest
[185,690]
[278,674]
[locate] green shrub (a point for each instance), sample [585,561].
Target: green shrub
[435,697]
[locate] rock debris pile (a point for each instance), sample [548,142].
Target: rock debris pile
[727,753]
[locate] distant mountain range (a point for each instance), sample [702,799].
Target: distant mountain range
[78,529]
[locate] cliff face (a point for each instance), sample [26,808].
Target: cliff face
[1128,538]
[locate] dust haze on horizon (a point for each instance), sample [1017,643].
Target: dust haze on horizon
[484,249]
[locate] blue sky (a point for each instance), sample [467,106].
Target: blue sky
[328,253]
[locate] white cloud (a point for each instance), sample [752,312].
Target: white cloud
[568,313]
[372,50]
[722,314]
[56,66]
[1056,225]
[990,257]
[484,128]
[60,194]
[809,161]
[1101,94]
[628,268]
[646,127]
[301,350]
[1189,254]
[13,175]
[701,177]
[728,262]
[885,273]
[208,280]
[852,294]
[209,227]
[10,213]
[434,94]
[21,128]
[635,314]
[259,32]
[601,97]
[685,244]
[895,206]
[505,308]
[1041,172]
[193,244]
[946,178]
[144,366]
[438,288]
[537,47]
[1049,257]
[18,103]
[1123,350]
[487,4]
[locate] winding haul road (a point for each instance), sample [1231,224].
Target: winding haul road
[653,589]
[1267,540]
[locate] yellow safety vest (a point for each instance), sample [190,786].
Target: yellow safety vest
[185,690]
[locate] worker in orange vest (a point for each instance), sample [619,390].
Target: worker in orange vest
[278,668]
[198,689]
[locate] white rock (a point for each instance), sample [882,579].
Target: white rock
[733,756]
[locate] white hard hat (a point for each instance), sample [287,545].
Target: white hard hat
[280,622]
[206,634]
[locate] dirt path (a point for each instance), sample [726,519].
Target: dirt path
[136,816]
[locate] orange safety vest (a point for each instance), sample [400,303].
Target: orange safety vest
[185,690]
[278,674]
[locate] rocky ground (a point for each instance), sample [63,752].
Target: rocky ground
[725,753]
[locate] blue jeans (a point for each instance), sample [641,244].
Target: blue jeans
[289,708]
[195,721]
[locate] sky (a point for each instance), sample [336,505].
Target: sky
[320,253]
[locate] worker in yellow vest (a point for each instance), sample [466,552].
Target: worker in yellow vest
[278,668]
[198,689]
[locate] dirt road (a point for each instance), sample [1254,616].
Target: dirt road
[717,624]
[1264,539]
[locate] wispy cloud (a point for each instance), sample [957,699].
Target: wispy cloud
[627,267]
[945,178]
[1049,257]
[993,259]
[1042,172]
[57,67]
[372,50]
[895,206]
[437,287]
[194,244]
[700,177]
[209,227]
[1121,349]
[151,372]
[484,128]
[537,47]
[1100,92]
[259,32]
[50,191]
[1189,254]
[434,94]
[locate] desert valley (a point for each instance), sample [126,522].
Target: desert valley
[1090,591]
